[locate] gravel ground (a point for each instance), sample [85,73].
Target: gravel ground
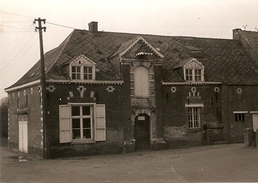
[216,163]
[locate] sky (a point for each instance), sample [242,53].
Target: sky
[19,43]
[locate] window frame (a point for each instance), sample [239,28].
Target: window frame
[81,72]
[82,64]
[81,117]
[240,116]
[195,117]
[192,77]
[98,123]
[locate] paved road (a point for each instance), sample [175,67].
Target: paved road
[218,163]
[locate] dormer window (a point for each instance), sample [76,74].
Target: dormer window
[193,71]
[193,74]
[78,70]
[82,68]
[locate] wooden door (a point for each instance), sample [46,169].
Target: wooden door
[23,133]
[142,132]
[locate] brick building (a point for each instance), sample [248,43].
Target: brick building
[111,92]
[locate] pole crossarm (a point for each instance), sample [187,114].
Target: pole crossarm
[39,20]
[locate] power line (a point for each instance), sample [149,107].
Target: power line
[15,14]
[18,43]
[14,21]
[61,25]
[13,27]
[5,71]
[14,32]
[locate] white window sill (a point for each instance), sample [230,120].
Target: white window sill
[84,141]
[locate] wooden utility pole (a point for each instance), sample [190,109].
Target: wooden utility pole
[43,85]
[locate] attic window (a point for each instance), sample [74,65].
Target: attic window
[82,69]
[193,71]
[82,72]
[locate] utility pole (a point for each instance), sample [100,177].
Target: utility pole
[43,85]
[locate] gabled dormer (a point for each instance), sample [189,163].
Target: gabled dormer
[191,70]
[82,69]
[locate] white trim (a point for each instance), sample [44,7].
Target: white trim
[23,86]
[85,82]
[191,83]
[254,112]
[240,112]
[81,104]
[146,42]
[194,105]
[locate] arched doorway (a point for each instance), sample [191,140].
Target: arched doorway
[142,132]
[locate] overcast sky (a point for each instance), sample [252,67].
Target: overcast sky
[19,44]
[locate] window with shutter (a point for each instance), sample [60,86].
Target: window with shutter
[100,122]
[82,123]
[65,124]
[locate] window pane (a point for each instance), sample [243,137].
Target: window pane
[86,110]
[78,76]
[86,133]
[86,123]
[189,74]
[194,117]
[190,118]
[87,73]
[197,74]
[76,111]
[76,123]
[90,69]
[76,134]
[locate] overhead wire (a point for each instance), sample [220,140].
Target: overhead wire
[6,70]
[16,14]
[5,65]
[61,25]
[16,46]
[13,27]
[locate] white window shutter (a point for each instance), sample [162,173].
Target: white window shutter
[100,122]
[65,131]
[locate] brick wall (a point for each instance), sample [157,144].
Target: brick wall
[110,95]
[175,125]
[26,101]
[240,98]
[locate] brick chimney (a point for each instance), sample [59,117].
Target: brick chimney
[236,35]
[93,27]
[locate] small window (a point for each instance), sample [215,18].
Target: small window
[82,72]
[239,116]
[82,69]
[194,119]
[193,75]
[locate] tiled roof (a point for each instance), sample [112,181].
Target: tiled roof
[252,37]
[224,59]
